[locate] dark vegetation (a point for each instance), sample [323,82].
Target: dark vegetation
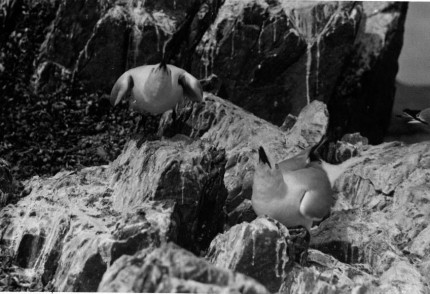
[70,128]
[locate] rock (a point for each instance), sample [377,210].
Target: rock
[310,126]
[240,134]
[98,53]
[383,217]
[279,49]
[363,99]
[326,274]
[349,146]
[73,226]
[70,31]
[9,187]
[173,269]
[271,57]
[213,85]
[11,11]
[260,249]
[50,77]
[191,175]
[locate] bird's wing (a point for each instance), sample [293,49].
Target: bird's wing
[302,159]
[424,116]
[316,204]
[191,86]
[122,86]
[413,116]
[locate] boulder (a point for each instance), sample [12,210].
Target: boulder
[363,98]
[381,215]
[272,53]
[175,270]
[261,249]
[326,274]
[99,63]
[73,226]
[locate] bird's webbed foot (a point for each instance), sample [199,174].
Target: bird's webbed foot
[299,240]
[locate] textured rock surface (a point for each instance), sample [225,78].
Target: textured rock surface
[381,217]
[279,49]
[361,100]
[9,188]
[173,269]
[271,57]
[71,227]
[326,274]
[259,249]
[240,133]
[113,224]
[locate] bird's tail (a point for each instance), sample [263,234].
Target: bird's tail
[334,171]
[121,88]
[163,63]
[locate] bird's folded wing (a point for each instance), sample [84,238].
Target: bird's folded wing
[191,86]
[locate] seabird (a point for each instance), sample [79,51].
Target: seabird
[296,191]
[157,88]
[417,116]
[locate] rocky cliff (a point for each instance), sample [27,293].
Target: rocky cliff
[173,213]
[112,228]
[280,54]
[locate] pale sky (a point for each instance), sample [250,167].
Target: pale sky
[414,59]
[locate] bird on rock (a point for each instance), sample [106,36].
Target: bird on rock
[154,89]
[296,191]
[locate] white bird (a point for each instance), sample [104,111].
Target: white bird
[156,88]
[296,191]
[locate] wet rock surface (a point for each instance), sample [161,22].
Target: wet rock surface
[361,99]
[172,213]
[261,249]
[271,57]
[240,134]
[381,215]
[109,227]
[173,269]
[73,226]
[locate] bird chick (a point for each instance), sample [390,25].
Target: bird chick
[296,191]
